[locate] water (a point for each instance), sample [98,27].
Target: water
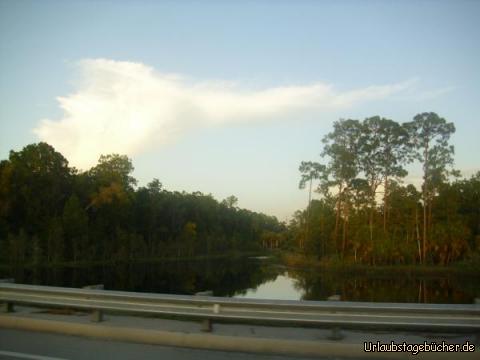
[294,284]
[258,278]
[280,288]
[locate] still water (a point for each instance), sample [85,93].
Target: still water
[255,278]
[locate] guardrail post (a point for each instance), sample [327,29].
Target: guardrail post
[96,316]
[336,334]
[207,325]
[6,307]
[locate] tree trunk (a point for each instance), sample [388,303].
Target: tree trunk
[425,198]
[370,222]
[373,190]
[322,230]
[307,222]
[424,247]
[385,205]
[337,217]
[430,218]
[344,235]
[418,236]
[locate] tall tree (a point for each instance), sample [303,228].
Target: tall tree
[429,137]
[341,148]
[34,169]
[382,154]
[310,171]
[369,159]
[469,192]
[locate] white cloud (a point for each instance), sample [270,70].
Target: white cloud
[125,107]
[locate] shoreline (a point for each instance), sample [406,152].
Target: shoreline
[287,259]
[297,261]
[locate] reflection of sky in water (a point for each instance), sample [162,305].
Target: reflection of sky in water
[282,288]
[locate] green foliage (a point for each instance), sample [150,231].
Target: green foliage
[114,168]
[367,158]
[55,242]
[311,171]
[50,213]
[75,225]
[16,248]
[27,175]
[429,135]
[230,202]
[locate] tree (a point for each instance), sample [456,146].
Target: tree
[404,221]
[310,171]
[147,212]
[429,135]
[230,202]
[469,207]
[187,238]
[155,187]
[53,212]
[391,154]
[382,153]
[114,168]
[6,169]
[320,227]
[55,241]
[450,233]
[75,225]
[341,147]
[39,183]
[111,195]
[17,248]
[369,150]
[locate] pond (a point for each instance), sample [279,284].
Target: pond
[255,278]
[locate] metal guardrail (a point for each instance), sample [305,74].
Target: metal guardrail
[425,317]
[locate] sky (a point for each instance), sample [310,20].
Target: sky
[227,97]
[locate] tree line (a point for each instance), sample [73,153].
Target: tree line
[53,213]
[366,213]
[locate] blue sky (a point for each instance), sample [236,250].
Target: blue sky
[229,97]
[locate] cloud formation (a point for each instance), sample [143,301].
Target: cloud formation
[125,107]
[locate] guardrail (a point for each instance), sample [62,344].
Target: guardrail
[337,314]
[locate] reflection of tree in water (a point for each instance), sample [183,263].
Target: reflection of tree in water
[314,286]
[265,273]
[225,277]
[228,277]
[391,288]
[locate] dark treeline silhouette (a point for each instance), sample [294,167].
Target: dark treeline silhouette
[52,213]
[366,213]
